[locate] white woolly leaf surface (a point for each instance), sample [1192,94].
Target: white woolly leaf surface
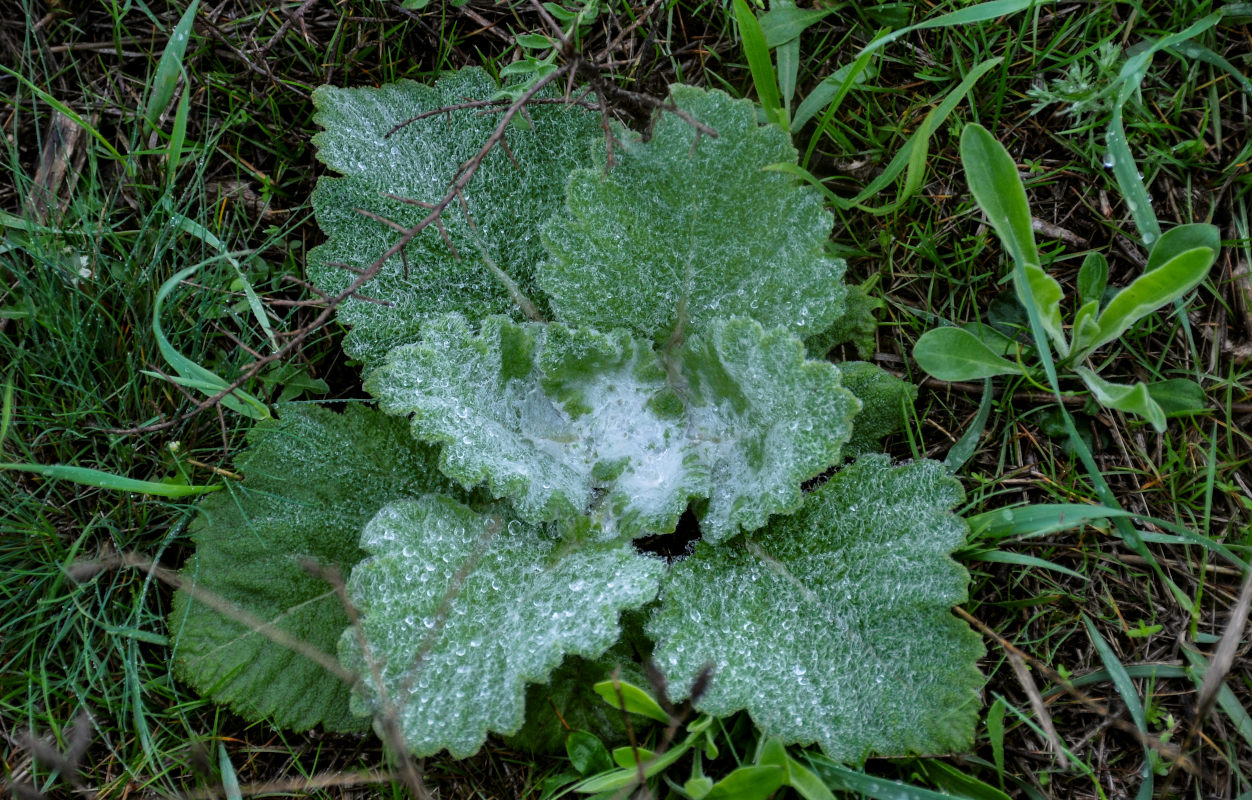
[460,610]
[691,226]
[549,417]
[833,625]
[507,201]
[569,421]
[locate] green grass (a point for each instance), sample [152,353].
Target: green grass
[77,290]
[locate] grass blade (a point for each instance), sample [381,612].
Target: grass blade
[170,66]
[107,480]
[757,53]
[238,401]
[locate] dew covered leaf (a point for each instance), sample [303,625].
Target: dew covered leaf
[461,609]
[764,420]
[690,227]
[857,326]
[570,421]
[507,200]
[885,400]
[553,418]
[313,478]
[833,625]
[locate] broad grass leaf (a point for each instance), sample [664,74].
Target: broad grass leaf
[496,232]
[312,480]
[461,609]
[687,228]
[955,354]
[832,625]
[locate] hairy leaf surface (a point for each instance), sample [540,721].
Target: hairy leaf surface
[833,625]
[313,478]
[507,200]
[765,420]
[460,610]
[686,228]
[568,421]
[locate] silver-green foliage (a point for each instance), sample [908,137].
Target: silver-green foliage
[460,609]
[687,228]
[844,606]
[382,171]
[666,370]
[262,554]
[567,422]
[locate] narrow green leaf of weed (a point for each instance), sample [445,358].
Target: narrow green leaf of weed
[913,154]
[170,66]
[1130,696]
[955,354]
[967,445]
[788,57]
[1134,399]
[178,135]
[757,53]
[230,781]
[70,113]
[951,779]
[1199,52]
[783,23]
[6,410]
[998,189]
[208,237]
[1119,157]
[995,734]
[842,779]
[1019,559]
[829,95]
[628,697]
[192,374]
[107,480]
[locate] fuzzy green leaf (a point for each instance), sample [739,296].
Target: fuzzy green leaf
[833,625]
[569,421]
[764,419]
[549,417]
[956,354]
[885,400]
[460,610]
[510,196]
[313,479]
[857,326]
[686,228]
